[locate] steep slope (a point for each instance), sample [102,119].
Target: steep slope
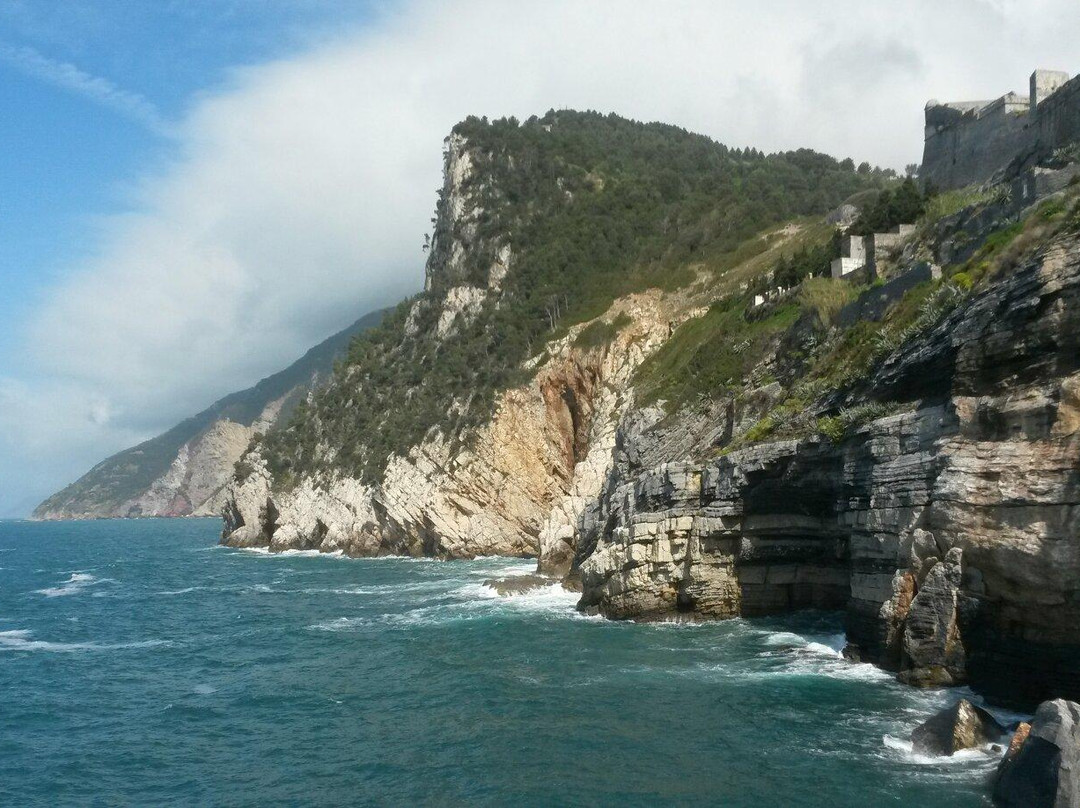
[685,416]
[181,472]
[480,416]
[919,467]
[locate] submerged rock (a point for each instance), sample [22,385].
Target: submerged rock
[519,584]
[962,726]
[1042,767]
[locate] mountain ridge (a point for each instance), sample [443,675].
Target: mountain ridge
[118,485]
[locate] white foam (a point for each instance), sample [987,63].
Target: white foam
[310,554]
[823,649]
[72,586]
[183,591]
[20,640]
[551,599]
[900,748]
[787,638]
[473,601]
[814,655]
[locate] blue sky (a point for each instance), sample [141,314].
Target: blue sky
[70,157]
[194,192]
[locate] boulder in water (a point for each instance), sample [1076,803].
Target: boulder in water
[1042,767]
[962,726]
[518,584]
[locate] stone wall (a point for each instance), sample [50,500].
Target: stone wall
[975,144]
[970,142]
[1059,118]
[872,304]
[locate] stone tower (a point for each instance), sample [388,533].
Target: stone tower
[1043,84]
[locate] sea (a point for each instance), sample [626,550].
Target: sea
[142,664]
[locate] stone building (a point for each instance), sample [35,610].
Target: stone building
[969,141]
[857,252]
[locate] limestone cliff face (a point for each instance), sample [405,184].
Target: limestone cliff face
[195,483]
[516,488]
[946,527]
[515,485]
[947,530]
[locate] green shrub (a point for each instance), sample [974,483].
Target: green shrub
[902,204]
[949,202]
[601,332]
[963,280]
[826,296]
[759,431]
[832,427]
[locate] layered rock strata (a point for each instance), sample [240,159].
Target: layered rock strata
[948,530]
[521,482]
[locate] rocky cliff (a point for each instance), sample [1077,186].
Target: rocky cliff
[481,418]
[947,528]
[183,472]
[667,424]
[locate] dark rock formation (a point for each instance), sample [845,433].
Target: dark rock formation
[962,726]
[1042,767]
[948,530]
[933,651]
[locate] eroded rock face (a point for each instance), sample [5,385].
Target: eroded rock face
[948,530]
[933,651]
[517,488]
[962,726]
[1042,770]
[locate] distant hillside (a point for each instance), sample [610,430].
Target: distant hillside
[180,472]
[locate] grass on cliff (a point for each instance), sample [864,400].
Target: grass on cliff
[601,332]
[710,355]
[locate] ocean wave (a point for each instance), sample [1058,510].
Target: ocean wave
[73,585]
[21,640]
[980,757]
[473,601]
[184,591]
[797,655]
[548,599]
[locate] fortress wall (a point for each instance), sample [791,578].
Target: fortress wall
[1059,117]
[972,149]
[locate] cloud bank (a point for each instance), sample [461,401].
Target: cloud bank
[297,197]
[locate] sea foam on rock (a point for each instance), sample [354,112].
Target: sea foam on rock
[962,726]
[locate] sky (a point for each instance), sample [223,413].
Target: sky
[194,192]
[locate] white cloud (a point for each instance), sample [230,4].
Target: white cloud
[95,88]
[299,195]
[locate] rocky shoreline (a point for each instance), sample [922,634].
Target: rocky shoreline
[931,494]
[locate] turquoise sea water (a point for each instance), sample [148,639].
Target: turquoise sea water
[140,664]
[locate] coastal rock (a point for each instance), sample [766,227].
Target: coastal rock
[947,529]
[519,584]
[517,489]
[1042,767]
[962,726]
[933,651]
